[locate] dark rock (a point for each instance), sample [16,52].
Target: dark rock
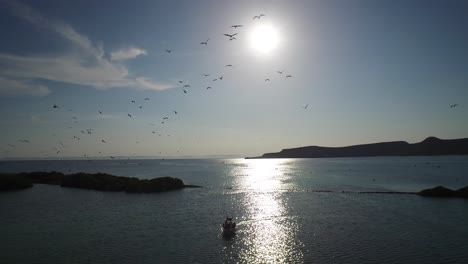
[11,182]
[53,177]
[463,192]
[107,182]
[438,191]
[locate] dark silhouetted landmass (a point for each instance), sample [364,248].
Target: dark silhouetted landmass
[12,182]
[95,181]
[431,146]
[441,191]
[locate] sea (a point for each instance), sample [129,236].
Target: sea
[286,210]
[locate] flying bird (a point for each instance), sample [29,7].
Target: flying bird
[205,42]
[288,76]
[214,80]
[181,81]
[230,35]
[103,141]
[233,38]
[133,101]
[129,115]
[206,74]
[56,106]
[267,80]
[153,132]
[175,112]
[209,87]
[454,105]
[305,107]
[280,72]
[187,85]
[166,118]
[147,99]
[168,51]
[74,117]
[100,112]
[140,107]
[228,65]
[259,16]
[221,77]
[184,91]
[236,26]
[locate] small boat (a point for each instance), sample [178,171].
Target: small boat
[229,227]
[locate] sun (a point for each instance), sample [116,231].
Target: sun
[264,39]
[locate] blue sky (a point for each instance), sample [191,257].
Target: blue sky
[369,71]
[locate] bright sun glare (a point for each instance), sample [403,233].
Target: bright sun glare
[264,38]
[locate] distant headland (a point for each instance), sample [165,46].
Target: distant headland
[92,181]
[431,146]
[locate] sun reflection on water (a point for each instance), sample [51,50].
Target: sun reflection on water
[269,232]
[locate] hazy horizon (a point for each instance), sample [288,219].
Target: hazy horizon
[361,72]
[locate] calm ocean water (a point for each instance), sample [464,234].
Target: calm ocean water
[280,219]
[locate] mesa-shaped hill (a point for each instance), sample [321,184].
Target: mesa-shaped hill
[431,146]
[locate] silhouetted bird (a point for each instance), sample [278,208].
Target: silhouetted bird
[166,118]
[230,35]
[259,16]
[221,77]
[233,38]
[184,91]
[228,65]
[129,115]
[305,107]
[236,26]
[100,112]
[140,107]
[133,101]
[205,74]
[153,132]
[187,85]
[288,76]
[209,87]
[103,141]
[267,80]
[454,105]
[214,80]
[168,51]
[146,99]
[56,106]
[205,42]
[175,112]
[181,81]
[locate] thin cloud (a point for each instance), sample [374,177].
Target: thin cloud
[125,54]
[86,64]
[11,87]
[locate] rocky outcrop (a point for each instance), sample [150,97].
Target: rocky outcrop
[463,192]
[12,182]
[441,191]
[94,181]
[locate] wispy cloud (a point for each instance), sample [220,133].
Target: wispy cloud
[10,87]
[87,63]
[125,54]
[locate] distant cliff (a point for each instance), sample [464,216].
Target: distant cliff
[431,146]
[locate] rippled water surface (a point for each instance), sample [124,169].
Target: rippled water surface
[282,211]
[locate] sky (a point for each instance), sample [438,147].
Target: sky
[361,71]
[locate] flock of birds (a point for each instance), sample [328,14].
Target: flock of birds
[185,89]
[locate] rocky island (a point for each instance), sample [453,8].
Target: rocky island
[93,181]
[431,146]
